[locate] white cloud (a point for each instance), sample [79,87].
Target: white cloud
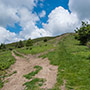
[9,10]
[39,33]
[19,3]
[61,21]
[42,14]
[28,23]
[7,36]
[81,7]
[19,11]
[7,15]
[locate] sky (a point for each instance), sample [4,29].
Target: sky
[24,19]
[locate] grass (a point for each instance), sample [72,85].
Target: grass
[33,73]
[12,45]
[17,54]
[38,48]
[34,84]
[73,61]
[1,84]
[6,60]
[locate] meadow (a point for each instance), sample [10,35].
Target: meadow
[6,60]
[73,61]
[37,48]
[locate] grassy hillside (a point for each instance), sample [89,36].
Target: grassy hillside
[73,61]
[6,60]
[12,45]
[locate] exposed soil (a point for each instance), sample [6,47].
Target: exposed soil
[63,86]
[24,66]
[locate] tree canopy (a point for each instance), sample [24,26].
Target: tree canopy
[83,33]
[29,43]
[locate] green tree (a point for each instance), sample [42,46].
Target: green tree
[45,40]
[20,44]
[83,33]
[29,43]
[2,46]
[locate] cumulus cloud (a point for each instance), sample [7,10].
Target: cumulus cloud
[40,33]
[28,24]
[42,14]
[7,36]
[20,11]
[9,10]
[20,3]
[7,15]
[61,21]
[81,8]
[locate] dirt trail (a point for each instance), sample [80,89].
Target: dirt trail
[63,86]
[24,66]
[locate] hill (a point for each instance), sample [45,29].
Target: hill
[60,63]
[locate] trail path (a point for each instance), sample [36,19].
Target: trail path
[24,66]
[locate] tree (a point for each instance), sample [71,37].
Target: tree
[2,46]
[83,33]
[45,40]
[19,44]
[29,43]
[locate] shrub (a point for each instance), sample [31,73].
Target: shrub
[19,44]
[45,40]
[30,48]
[10,49]
[83,33]
[2,46]
[29,43]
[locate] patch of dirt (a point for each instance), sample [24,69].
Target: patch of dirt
[16,81]
[63,86]
[24,66]
[49,73]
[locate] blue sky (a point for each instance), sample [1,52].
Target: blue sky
[48,6]
[23,19]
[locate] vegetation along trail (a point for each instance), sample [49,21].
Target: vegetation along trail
[24,66]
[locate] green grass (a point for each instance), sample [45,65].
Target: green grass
[12,45]
[1,84]
[73,61]
[33,73]
[6,60]
[34,84]
[41,47]
[17,54]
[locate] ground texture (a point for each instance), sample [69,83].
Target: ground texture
[26,65]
